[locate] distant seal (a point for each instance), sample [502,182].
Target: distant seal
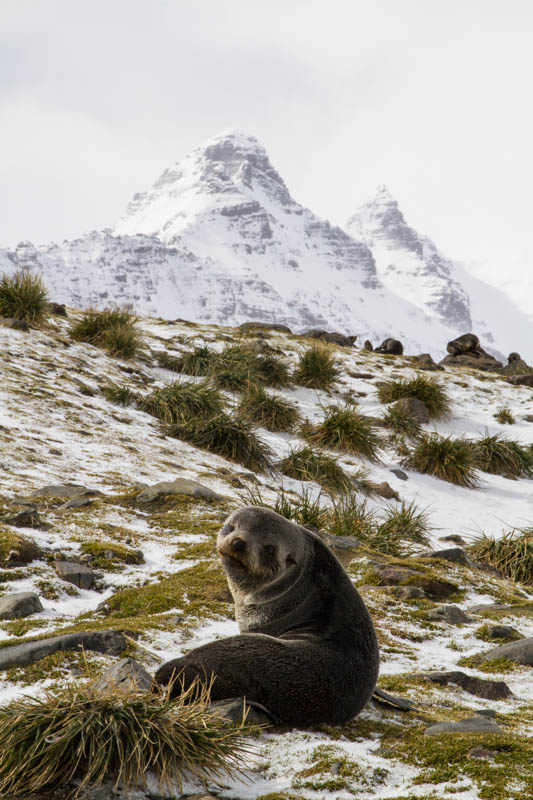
[307,650]
[514,358]
[392,346]
[368,345]
[467,343]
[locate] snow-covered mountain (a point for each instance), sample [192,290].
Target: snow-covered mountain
[411,265]
[218,238]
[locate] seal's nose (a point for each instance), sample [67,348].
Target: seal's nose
[238,545]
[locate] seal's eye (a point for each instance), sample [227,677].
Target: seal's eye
[270,549]
[228,528]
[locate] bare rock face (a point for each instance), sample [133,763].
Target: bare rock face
[480,725]
[126,675]
[78,574]
[19,604]
[466,351]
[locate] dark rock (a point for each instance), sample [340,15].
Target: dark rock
[519,652]
[469,725]
[451,614]
[78,574]
[65,490]
[467,343]
[182,486]
[110,642]
[521,380]
[76,502]
[528,418]
[488,690]
[454,538]
[454,554]
[29,518]
[19,604]
[257,326]
[414,407]
[20,325]
[362,375]
[424,359]
[400,474]
[435,588]
[330,336]
[58,309]
[475,360]
[481,752]
[236,709]
[482,607]
[126,675]
[385,490]
[344,547]
[408,592]
[504,632]
[392,346]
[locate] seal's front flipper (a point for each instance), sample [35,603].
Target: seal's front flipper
[383,698]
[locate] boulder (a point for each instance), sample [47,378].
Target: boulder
[521,380]
[414,408]
[78,574]
[451,614]
[344,547]
[454,538]
[66,490]
[408,592]
[400,474]
[257,326]
[456,555]
[519,652]
[58,309]
[19,604]
[28,518]
[182,486]
[237,709]
[126,675]
[385,490]
[487,690]
[19,655]
[503,632]
[469,725]
[330,336]
[391,346]
[434,588]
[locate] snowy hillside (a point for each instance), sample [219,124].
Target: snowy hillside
[61,424]
[218,238]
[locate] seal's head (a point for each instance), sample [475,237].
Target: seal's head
[258,546]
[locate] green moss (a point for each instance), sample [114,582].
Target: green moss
[110,555]
[12,575]
[25,549]
[332,770]
[20,627]
[198,591]
[195,550]
[444,758]
[48,589]
[484,634]
[493,665]
[58,665]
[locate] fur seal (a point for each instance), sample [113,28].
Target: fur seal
[307,650]
[467,343]
[392,346]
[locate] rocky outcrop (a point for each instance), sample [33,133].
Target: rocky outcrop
[111,642]
[19,604]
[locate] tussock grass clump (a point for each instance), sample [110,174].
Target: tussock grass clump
[402,423]
[197,362]
[452,460]
[316,368]
[306,464]
[428,390]
[234,368]
[23,296]
[183,400]
[512,554]
[504,416]
[121,395]
[344,429]
[272,371]
[271,411]
[80,735]
[500,456]
[349,516]
[114,330]
[402,531]
[303,509]
[228,436]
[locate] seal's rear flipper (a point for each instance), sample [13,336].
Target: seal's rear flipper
[383,698]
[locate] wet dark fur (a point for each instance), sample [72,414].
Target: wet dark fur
[391,346]
[467,343]
[307,650]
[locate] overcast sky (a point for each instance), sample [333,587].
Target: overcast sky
[431,97]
